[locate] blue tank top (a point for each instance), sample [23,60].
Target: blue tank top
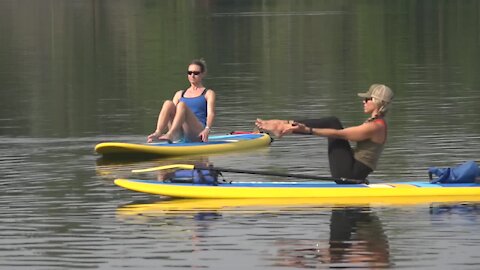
[198,105]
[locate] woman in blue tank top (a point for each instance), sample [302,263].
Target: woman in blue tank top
[191,112]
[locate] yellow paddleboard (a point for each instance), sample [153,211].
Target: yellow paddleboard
[270,190]
[215,144]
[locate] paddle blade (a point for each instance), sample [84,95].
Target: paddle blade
[166,167]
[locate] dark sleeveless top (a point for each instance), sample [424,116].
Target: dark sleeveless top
[198,105]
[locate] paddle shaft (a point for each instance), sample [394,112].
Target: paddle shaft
[302,176]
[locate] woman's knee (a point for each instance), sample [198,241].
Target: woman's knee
[325,122]
[334,122]
[181,105]
[168,104]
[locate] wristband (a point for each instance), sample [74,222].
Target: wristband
[310,131]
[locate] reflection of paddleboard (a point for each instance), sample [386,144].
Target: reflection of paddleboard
[238,190]
[215,144]
[238,205]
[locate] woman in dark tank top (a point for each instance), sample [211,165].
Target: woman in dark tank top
[370,136]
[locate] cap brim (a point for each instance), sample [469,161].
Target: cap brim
[363,95]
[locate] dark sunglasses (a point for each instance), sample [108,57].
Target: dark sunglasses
[367,99]
[193,72]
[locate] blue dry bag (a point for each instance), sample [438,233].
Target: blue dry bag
[463,173]
[195,176]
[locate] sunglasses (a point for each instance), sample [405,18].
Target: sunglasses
[367,99]
[193,72]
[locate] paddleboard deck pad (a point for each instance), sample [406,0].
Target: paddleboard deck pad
[215,144]
[250,190]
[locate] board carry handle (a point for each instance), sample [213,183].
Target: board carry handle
[220,169]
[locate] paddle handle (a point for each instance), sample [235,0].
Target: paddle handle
[220,169]
[268,173]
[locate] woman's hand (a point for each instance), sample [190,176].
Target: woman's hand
[204,134]
[294,127]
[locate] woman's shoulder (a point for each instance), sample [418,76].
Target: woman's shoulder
[209,92]
[380,121]
[375,124]
[375,121]
[379,125]
[179,92]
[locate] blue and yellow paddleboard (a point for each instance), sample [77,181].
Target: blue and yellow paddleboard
[215,144]
[251,190]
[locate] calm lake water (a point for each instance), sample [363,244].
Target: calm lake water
[76,73]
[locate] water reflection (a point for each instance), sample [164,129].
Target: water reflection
[355,237]
[466,211]
[356,240]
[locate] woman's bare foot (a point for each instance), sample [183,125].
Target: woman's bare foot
[274,126]
[166,137]
[153,137]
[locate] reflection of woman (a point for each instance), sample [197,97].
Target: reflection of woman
[357,237]
[356,240]
[190,114]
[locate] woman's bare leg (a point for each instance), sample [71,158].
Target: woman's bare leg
[184,122]
[165,118]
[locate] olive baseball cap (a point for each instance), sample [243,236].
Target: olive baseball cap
[378,91]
